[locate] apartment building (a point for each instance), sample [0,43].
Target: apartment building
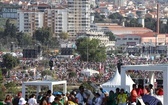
[57,19]
[80,10]
[29,20]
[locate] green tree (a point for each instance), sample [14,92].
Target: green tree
[91,49]
[63,35]
[11,88]
[115,16]
[24,39]
[2,87]
[98,17]
[10,29]
[150,23]
[132,23]
[7,28]
[111,36]
[43,35]
[53,43]
[9,61]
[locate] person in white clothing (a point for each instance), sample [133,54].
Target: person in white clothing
[32,100]
[98,100]
[51,97]
[82,98]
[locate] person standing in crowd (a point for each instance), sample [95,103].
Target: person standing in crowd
[134,94]
[140,90]
[150,100]
[50,97]
[98,100]
[19,99]
[151,89]
[32,100]
[56,101]
[122,98]
[43,101]
[81,96]
[102,95]
[160,91]
[111,98]
[8,100]
[116,95]
[22,101]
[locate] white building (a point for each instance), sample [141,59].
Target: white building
[29,20]
[104,40]
[80,10]
[57,19]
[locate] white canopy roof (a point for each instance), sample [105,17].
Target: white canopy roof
[115,81]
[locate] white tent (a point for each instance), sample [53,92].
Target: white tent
[89,72]
[115,82]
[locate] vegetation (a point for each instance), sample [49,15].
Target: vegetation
[91,49]
[2,87]
[43,35]
[99,18]
[9,61]
[111,36]
[63,35]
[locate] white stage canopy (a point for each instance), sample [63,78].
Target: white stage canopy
[115,82]
[43,83]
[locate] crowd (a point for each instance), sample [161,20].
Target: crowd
[63,66]
[138,96]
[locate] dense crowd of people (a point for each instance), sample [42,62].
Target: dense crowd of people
[138,96]
[63,66]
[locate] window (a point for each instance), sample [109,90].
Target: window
[129,38]
[118,38]
[124,38]
[136,39]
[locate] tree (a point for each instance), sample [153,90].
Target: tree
[132,23]
[98,17]
[43,35]
[10,30]
[63,35]
[24,39]
[91,49]
[150,23]
[9,61]
[2,87]
[11,88]
[111,36]
[116,16]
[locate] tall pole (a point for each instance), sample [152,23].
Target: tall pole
[87,52]
[158,18]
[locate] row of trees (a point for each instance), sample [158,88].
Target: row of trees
[44,36]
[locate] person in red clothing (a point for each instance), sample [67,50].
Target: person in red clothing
[160,91]
[140,90]
[134,94]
